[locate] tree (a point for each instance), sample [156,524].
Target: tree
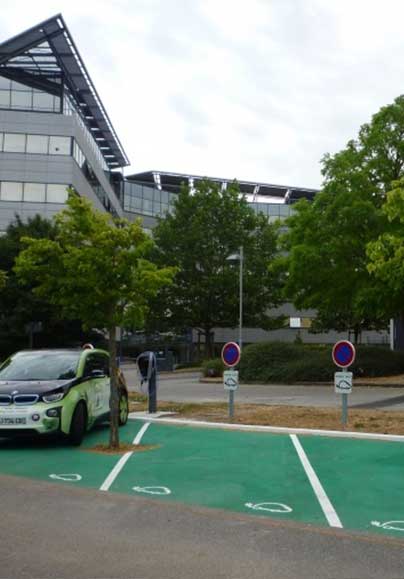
[327,240]
[3,279]
[207,226]
[96,269]
[18,305]
[386,253]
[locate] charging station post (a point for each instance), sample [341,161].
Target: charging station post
[147,367]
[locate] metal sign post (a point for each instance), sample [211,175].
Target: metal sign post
[230,383]
[343,386]
[343,355]
[231,357]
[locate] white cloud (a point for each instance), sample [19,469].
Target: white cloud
[258,90]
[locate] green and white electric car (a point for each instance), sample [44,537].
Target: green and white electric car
[57,391]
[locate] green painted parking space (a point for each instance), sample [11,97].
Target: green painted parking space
[261,474]
[56,461]
[239,471]
[364,480]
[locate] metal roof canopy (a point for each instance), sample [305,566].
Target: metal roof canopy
[45,55]
[172,182]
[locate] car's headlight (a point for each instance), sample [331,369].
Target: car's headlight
[55,397]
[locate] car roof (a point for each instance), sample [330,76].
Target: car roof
[78,351]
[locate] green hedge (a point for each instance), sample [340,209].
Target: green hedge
[288,363]
[212,368]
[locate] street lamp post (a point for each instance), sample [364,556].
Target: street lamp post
[240,258]
[240,327]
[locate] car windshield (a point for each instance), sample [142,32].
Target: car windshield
[40,366]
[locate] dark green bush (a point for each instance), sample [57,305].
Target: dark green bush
[376,361]
[191,365]
[213,368]
[287,363]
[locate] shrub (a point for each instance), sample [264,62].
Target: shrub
[287,363]
[213,368]
[191,365]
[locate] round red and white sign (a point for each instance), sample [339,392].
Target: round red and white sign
[343,354]
[231,354]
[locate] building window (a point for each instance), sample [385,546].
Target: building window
[14,95]
[37,144]
[11,191]
[42,144]
[57,193]
[14,143]
[5,83]
[43,101]
[34,192]
[5,99]
[60,145]
[21,100]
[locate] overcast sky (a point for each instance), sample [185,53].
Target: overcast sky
[256,90]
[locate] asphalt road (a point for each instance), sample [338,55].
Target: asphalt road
[186,387]
[56,531]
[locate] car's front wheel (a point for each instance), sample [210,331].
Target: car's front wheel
[123,408]
[78,424]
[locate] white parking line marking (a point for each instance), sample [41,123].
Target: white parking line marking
[141,432]
[123,460]
[325,503]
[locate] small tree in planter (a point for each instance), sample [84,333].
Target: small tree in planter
[96,270]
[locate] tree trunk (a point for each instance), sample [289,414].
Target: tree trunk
[208,343]
[357,333]
[114,398]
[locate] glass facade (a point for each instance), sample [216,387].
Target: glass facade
[147,200]
[140,199]
[33,192]
[155,202]
[14,95]
[17,96]
[69,109]
[50,145]
[273,211]
[35,144]
[92,178]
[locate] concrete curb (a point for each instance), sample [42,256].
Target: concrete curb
[274,429]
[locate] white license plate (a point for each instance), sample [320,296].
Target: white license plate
[6,421]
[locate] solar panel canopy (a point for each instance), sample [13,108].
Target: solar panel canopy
[45,57]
